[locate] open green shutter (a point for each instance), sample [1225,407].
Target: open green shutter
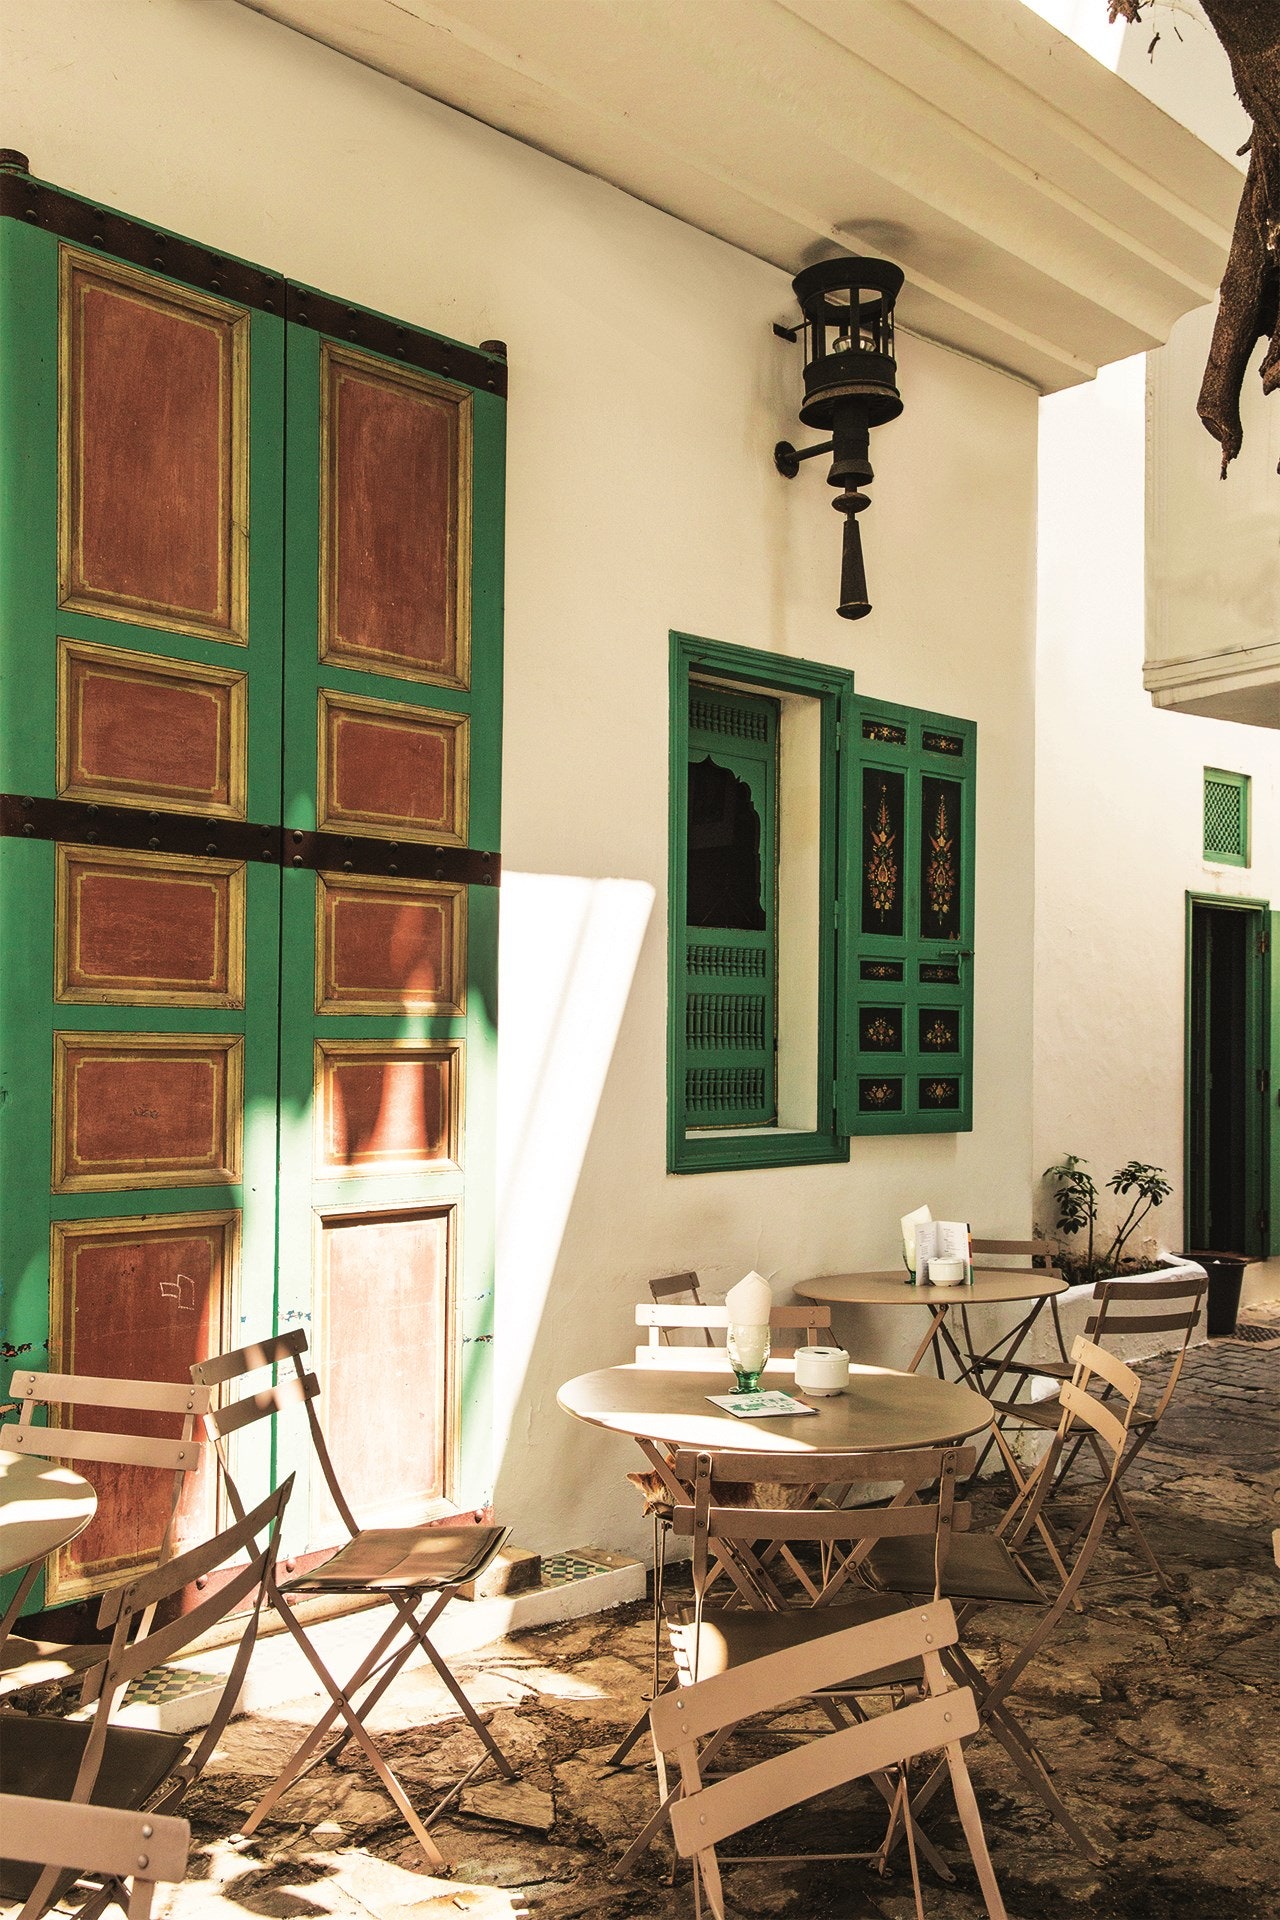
[728,905]
[906,1043]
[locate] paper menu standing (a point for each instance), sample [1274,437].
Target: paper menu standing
[911,1224]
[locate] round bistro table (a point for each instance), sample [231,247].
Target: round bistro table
[664,1408]
[42,1507]
[881,1410]
[990,1286]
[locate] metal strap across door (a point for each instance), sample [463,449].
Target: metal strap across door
[251,646]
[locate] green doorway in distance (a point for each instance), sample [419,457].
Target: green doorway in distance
[1228,1086]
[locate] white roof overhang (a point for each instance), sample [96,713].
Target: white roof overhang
[1049,218]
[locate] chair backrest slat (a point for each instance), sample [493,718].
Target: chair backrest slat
[914,1466]
[1184,1286]
[1089,1358]
[801,1317]
[64,1833]
[689,1713]
[797,1315]
[1084,1409]
[708,1359]
[1016,1249]
[1142,1322]
[818,1523]
[261,1405]
[220,1367]
[83,1389]
[704,1818]
[671,1284]
[118,1449]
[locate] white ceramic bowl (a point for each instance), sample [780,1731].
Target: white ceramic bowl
[946,1273]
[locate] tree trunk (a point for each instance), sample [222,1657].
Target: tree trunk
[1249,298]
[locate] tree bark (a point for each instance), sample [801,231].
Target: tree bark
[1249,297]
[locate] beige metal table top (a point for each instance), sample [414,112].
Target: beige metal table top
[881,1409]
[895,1290]
[42,1506]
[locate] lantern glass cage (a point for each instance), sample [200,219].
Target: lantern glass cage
[849,319]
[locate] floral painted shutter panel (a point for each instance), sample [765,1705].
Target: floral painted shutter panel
[906,1044]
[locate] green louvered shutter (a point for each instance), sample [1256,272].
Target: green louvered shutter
[1226,817]
[727,897]
[906,1048]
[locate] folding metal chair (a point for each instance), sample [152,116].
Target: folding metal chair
[138,1847]
[758,1543]
[691,1723]
[1124,1308]
[662,1320]
[97,1762]
[418,1570]
[25,1662]
[992,1566]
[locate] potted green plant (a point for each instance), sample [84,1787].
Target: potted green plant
[1076,1199]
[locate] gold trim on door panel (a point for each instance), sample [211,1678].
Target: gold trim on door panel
[230,938]
[332,703]
[452,896]
[233,476]
[333,359]
[129,1176]
[449,1052]
[182,672]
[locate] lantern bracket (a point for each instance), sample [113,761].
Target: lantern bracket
[787,458]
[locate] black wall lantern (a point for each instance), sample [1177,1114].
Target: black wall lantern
[850,386]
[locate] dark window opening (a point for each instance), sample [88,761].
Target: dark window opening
[724,880]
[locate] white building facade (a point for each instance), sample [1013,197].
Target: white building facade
[1005,549]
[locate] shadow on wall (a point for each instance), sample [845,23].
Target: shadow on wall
[568,954]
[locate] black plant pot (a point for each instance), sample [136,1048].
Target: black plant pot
[1226,1275]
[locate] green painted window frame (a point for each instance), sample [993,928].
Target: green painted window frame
[749,670]
[917,746]
[1240,855]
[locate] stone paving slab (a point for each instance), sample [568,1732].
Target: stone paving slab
[1159,1713]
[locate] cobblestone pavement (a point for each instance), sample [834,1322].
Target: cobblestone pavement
[1160,1714]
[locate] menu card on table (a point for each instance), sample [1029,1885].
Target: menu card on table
[759,1406]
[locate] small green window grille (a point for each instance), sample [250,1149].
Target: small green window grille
[1226,817]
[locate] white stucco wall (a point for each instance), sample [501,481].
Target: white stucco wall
[1119,784]
[647,391]
[1119,820]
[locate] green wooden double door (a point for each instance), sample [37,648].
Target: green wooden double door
[250,637]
